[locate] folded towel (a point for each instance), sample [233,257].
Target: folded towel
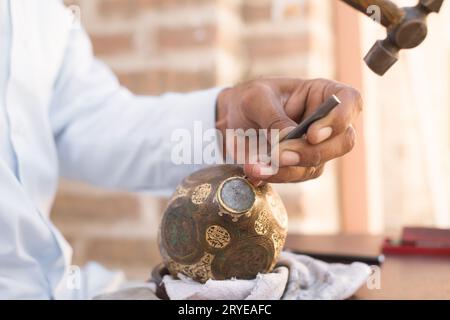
[296,277]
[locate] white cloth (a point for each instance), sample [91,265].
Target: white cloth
[314,279]
[265,287]
[296,277]
[63,113]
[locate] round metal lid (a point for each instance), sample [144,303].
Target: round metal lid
[236,195]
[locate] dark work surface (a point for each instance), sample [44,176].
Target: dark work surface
[402,277]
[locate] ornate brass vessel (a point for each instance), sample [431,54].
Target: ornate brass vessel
[218,226]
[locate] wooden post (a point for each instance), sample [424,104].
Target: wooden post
[352,168]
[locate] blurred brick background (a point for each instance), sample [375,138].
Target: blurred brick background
[156,46]
[400,178]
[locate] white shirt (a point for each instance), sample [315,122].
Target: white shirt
[5,38]
[63,113]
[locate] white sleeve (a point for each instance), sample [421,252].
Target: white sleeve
[108,137]
[31,261]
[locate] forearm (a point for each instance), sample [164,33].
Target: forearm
[128,142]
[108,137]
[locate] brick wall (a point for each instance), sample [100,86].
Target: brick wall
[181,45]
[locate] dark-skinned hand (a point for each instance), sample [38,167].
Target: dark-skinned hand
[282,103]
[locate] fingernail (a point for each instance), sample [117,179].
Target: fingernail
[289,158]
[323,134]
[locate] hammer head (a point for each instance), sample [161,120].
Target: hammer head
[407,34]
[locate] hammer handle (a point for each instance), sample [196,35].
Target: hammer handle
[391,14]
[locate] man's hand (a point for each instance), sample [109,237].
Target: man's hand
[282,103]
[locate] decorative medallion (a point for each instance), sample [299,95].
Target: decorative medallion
[278,242]
[201,193]
[179,234]
[262,224]
[278,209]
[180,192]
[200,271]
[217,237]
[244,259]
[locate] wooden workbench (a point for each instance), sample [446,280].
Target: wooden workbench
[402,277]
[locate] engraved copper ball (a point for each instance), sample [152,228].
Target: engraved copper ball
[219,226]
